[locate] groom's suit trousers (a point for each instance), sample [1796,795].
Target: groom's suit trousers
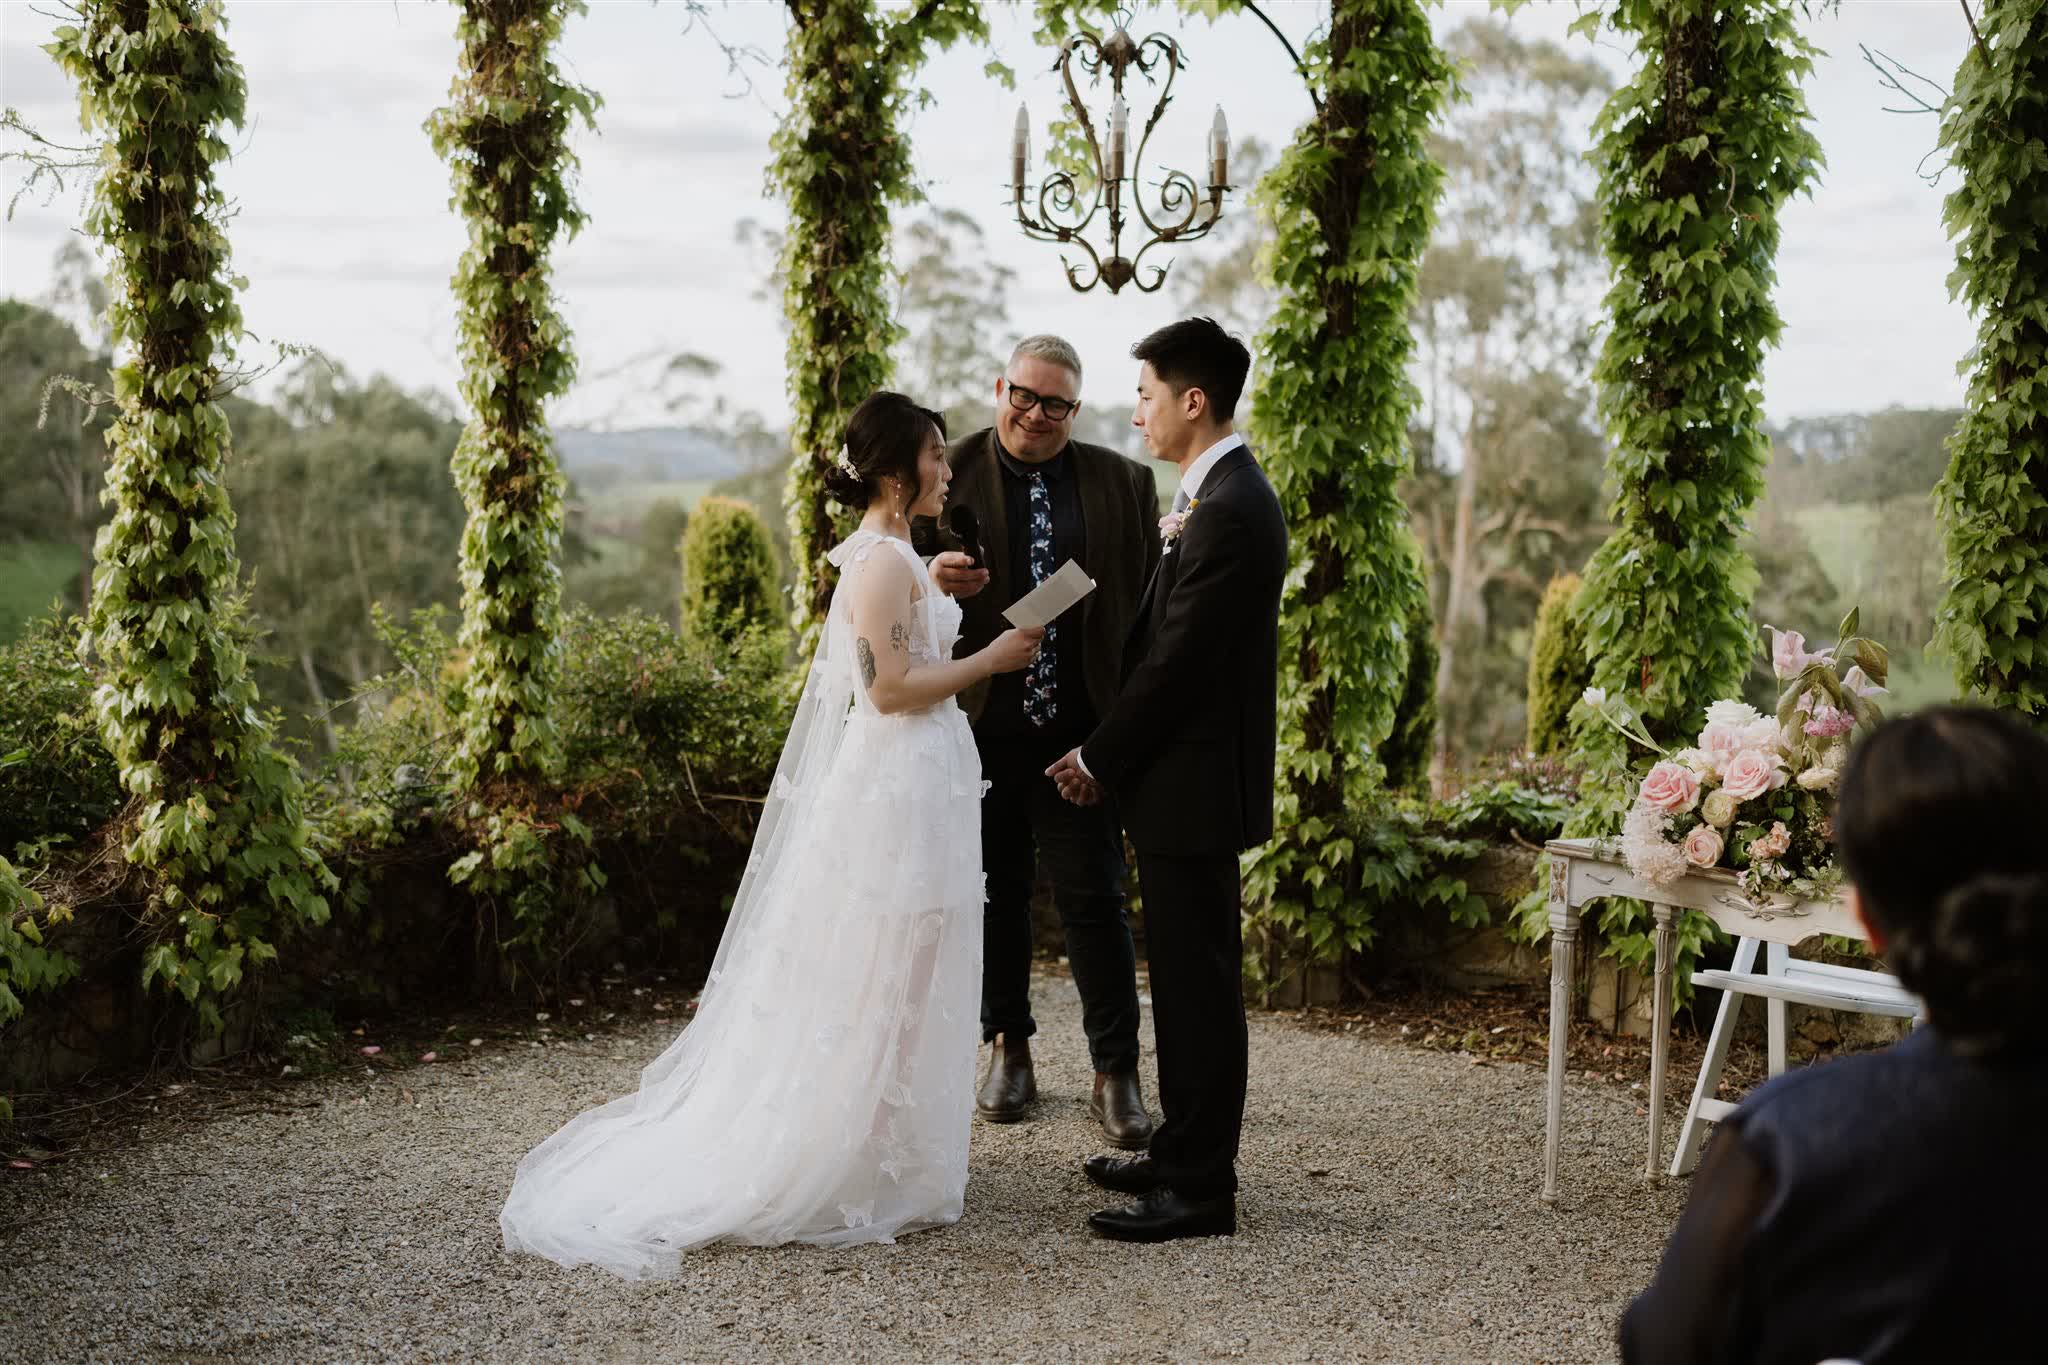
[1194,945]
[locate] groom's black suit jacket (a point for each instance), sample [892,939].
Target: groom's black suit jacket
[1187,750]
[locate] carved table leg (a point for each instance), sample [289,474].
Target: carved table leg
[1564,937]
[1660,1034]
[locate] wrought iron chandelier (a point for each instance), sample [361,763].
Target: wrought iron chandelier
[1059,217]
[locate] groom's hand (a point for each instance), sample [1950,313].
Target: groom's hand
[956,574]
[1073,781]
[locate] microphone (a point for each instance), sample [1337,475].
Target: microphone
[966,528]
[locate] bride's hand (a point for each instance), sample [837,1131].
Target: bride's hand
[1013,649]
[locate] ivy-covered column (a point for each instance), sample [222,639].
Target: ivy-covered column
[1697,154]
[505,136]
[1994,498]
[1352,200]
[840,163]
[216,822]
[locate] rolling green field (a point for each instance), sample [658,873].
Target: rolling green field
[628,501]
[33,574]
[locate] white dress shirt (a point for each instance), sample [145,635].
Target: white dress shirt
[1191,481]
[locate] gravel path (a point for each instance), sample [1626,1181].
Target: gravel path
[1389,1213]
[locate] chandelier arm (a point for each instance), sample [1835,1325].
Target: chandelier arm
[1058,195]
[1169,191]
[1071,48]
[1074,271]
[1158,271]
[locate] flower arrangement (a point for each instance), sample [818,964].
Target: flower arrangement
[1755,793]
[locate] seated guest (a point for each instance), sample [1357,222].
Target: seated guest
[1889,1207]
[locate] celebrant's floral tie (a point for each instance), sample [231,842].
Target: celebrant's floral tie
[1040,704]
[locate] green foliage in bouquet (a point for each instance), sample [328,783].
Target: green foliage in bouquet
[504,134]
[1994,499]
[215,823]
[1697,153]
[840,162]
[1559,672]
[1352,200]
[730,577]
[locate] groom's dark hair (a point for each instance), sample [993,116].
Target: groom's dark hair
[1196,353]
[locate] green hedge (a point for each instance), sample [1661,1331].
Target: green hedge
[730,577]
[1559,672]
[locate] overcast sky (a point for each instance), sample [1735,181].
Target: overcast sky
[347,240]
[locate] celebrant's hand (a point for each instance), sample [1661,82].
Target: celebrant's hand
[957,574]
[1073,781]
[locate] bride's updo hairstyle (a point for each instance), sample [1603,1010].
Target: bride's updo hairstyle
[1942,824]
[884,438]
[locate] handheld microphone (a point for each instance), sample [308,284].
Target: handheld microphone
[966,528]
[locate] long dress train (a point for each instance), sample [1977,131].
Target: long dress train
[824,1091]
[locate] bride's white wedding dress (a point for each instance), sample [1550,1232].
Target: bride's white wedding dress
[824,1091]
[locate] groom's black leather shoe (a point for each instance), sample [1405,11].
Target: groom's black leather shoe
[1118,1104]
[1124,1174]
[1163,1216]
[1010,1086]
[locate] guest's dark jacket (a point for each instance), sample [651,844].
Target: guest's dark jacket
[1120,516]
[1187,751]
[1885,1208]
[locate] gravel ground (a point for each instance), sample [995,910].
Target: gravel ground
[1389,1212]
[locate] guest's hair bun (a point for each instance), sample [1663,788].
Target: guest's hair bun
[1984,957]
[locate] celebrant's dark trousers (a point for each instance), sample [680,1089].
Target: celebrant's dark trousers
[1024,822]
[1194,951]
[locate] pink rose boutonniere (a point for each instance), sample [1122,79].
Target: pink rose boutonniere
[1173,523]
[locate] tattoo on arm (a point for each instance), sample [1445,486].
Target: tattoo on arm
[899,637]
[867,661]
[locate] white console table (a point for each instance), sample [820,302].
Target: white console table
[1580,871]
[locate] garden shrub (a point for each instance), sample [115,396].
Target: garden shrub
[1405,754]
[57,782]
[1559,672]
[730,577]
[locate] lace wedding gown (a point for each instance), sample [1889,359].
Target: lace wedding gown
[824,1091]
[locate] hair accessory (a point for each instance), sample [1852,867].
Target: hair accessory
[845,463]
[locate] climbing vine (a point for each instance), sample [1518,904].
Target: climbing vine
[1994,498]
[841,162]
[1697,155]
[215,821]
[505,137]
[1352,201]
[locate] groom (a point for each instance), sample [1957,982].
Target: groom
[1186,754]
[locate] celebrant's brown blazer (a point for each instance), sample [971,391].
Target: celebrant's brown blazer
[1120,535]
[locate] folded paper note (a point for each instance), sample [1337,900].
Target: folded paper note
[1045,602]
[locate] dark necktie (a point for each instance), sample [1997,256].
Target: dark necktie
[1041,703]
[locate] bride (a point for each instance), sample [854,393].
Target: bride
[824,1090]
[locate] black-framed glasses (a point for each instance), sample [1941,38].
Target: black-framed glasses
[1055,409]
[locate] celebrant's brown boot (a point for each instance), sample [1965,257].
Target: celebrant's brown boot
[1010,1087]
[1119,1106]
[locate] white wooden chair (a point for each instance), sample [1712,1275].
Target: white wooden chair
[1784,980]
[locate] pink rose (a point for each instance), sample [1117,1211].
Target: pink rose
[1788,653]
[1703,846]
[1721,743]
[1750,774]
[1670,787]
[1772,845]
[1170,524]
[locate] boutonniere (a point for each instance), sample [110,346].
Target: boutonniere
[1173,523]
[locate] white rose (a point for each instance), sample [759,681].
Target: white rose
[1719,809]
[1819,779]
[1699,762]
[1736,713]
[1763,733]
